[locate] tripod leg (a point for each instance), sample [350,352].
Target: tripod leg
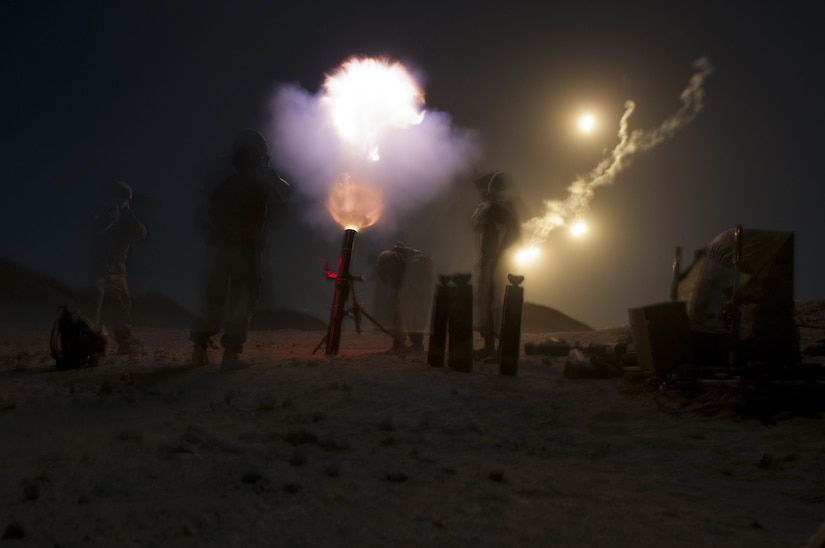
[373,320]
[322,343]
[355,312]
[357,307]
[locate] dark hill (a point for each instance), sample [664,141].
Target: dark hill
[26,296]
[153,309]
[29,297]
[536,318]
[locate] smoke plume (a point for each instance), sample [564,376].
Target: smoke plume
[416,162]
[582,190]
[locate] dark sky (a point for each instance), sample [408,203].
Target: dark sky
[153,92]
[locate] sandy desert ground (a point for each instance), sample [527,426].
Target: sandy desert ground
[375,449]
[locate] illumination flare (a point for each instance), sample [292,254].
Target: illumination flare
[578,229]
[582,190]
[526,255]
[587,123]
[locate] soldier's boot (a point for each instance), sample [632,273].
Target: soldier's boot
[231,361]
[397,347]
[126,345]
[200,356]
[416,342]
[200,345]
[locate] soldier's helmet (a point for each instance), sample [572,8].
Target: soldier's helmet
[121,191]
[390,267]
[250,149]
[499,183]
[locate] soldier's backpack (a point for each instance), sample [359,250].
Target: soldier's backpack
[75,343]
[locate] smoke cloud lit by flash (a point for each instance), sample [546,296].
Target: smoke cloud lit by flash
[416,162]
[580,193]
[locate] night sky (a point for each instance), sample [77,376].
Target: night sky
[152,93]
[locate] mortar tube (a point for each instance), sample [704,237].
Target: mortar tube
[443,299]
[510,338]
[343,279]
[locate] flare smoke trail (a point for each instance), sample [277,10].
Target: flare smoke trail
[416,162]
[582,190]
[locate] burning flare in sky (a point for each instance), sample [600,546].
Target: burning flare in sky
[587,123]
[558,212]
[364,98]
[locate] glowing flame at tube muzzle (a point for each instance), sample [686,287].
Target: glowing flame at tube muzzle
[354,205]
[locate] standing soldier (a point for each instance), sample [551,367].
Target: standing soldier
[496,225]
[116,228]
[238,211]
